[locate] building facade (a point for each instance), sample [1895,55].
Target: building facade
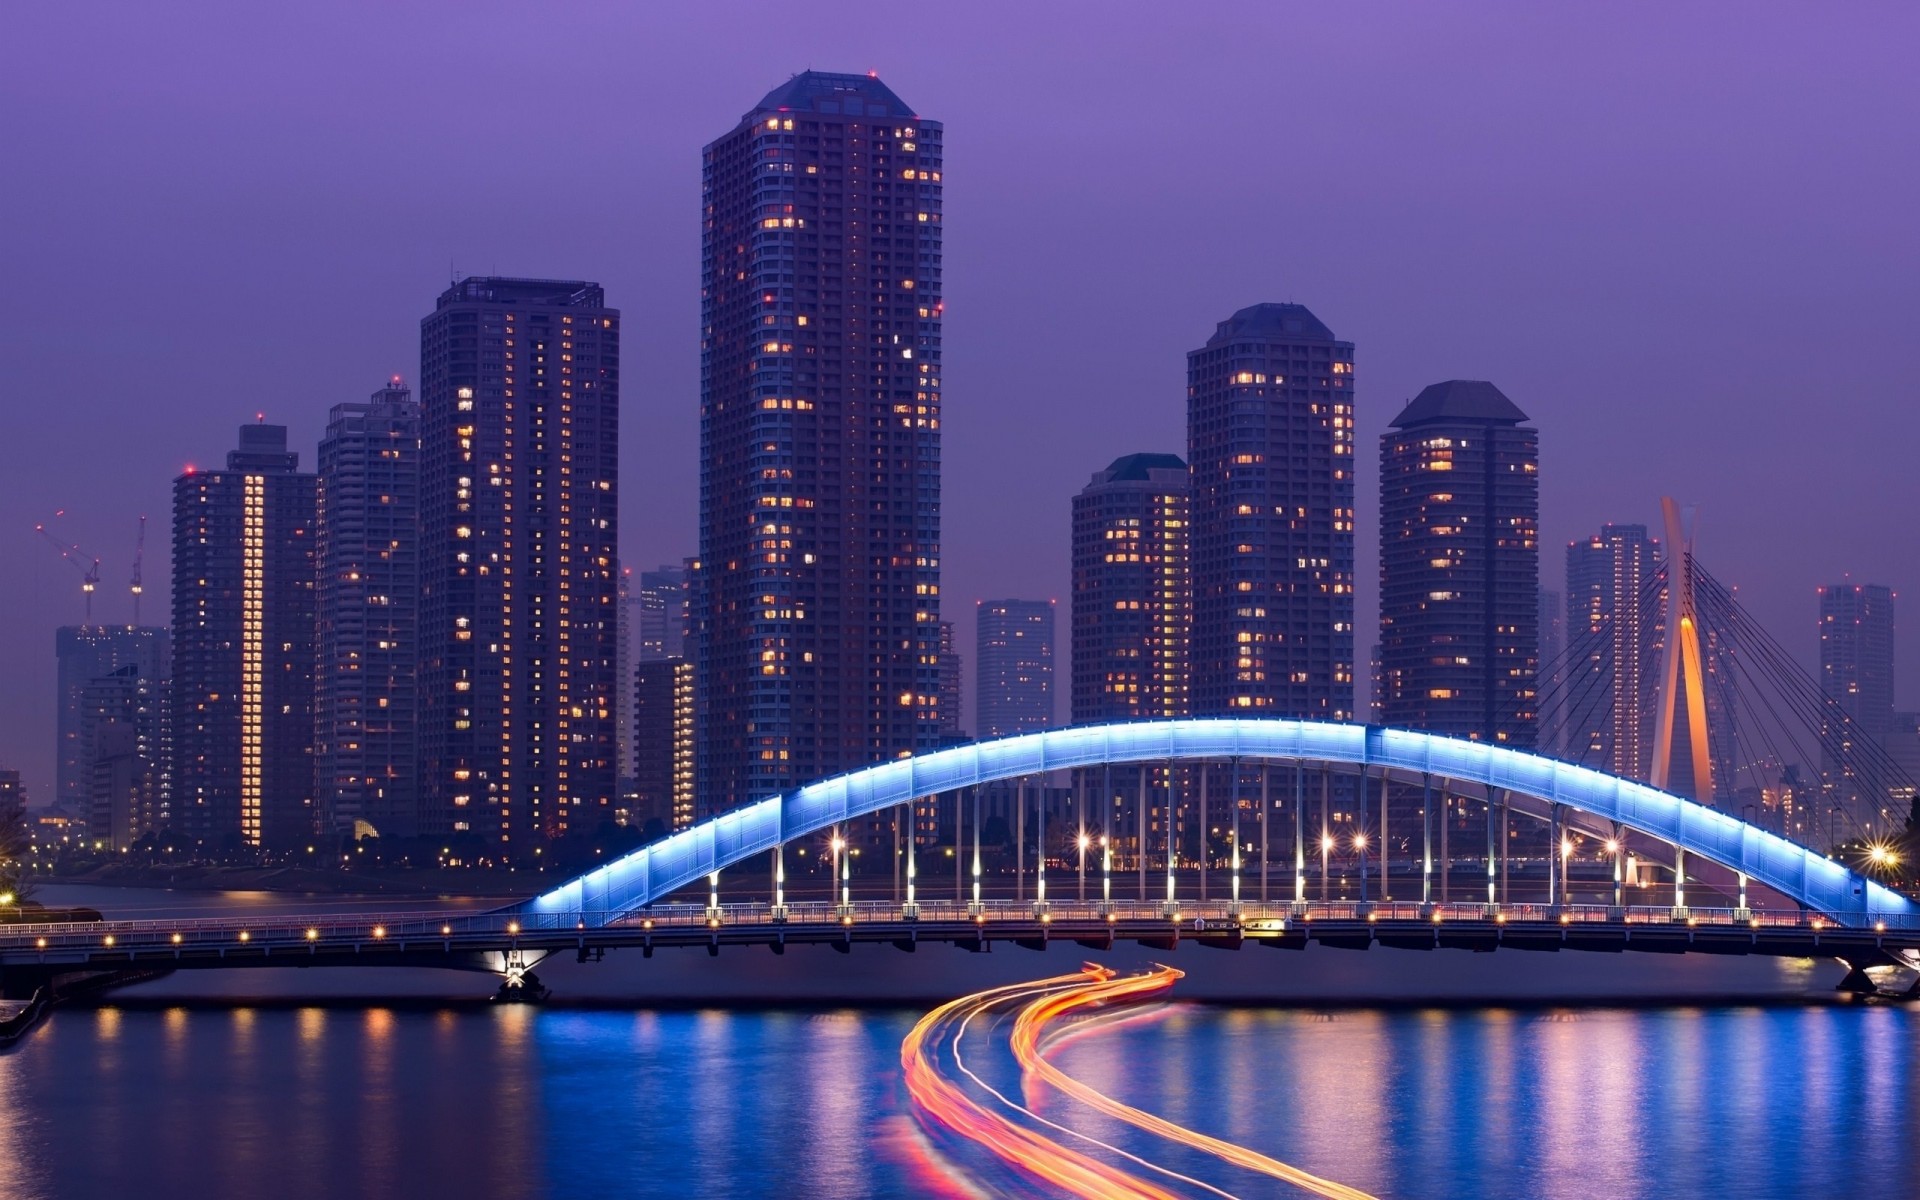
[243,648]
[83,653]
[1856,674]
[817,589]
[1012,666]
[1460,566]
[1552,675]
[519,400]
[368,601]
[661,604]
[1270,444]
[1132,591]
[1614,641]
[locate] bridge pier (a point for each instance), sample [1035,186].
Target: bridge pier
[518,983]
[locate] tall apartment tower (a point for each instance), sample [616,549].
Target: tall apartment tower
[663,742]
[1013,666]
[1460,566]
[519,410]
[243,647]
[1856,673]
[1270,443]
[1132,594]
[1614,639]
[949,652]
[84,653]
[365,749]
[816,594]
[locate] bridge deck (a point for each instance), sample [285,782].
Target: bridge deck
[467,940]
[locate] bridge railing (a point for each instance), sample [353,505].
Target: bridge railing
[481,930]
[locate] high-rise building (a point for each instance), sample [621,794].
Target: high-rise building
[1460,565]
[243,647]
[520,402]
[1013,666]
[949,653]
[816,594]
[365,749]
[1270,437]
[663,743]
[1132,598]
[662,605]
[1553,672]
[1614,640]
[1856,673]
[85,653]
[126,727]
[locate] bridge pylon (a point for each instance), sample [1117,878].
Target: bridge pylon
[1681,671]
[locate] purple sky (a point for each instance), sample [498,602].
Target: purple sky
[1684,239]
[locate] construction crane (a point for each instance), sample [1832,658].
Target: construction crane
[139,556]
[86,564]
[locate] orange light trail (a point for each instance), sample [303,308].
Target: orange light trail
[1039,1156]
[1102,990]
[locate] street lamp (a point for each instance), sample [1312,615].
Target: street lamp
[1085,841]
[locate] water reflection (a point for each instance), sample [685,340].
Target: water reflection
[183,1103]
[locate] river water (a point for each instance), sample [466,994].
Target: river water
[163,1095]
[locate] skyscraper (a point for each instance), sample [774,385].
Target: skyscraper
[1613,650]
[365,748]
[1013,666]
[1460,565]
[817,591]
[520,403]
[1132,599]
[243,647]
[1856,673]
[84,653]
[1270,436]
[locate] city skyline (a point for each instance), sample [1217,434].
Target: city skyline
[998,554]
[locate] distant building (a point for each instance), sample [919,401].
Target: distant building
[817,597]
[1614,640]
[1551,679]
[520,413]
[663,743]
[1460,565]
[1376,686]
[85,653]
[1132,591]
[1270,438]
[243,647]
[1013,666]
[1856,673]
[949,684]
[127,730]
[365,745]
[662,602]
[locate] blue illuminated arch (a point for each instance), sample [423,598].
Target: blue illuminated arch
[657,870]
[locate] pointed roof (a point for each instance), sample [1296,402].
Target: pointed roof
[1460,400]
[1275,321]
[823,91]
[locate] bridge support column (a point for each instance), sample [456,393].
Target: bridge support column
[1493,857]
[1266,803]
[518,983]
[1743,913]
[1233,832]
[1040,847]
[1679,884]
[1426,835]
[1299,838]
[1386,845]
[1140,833]
[975,908]
[713,898]
[779,911]
[1206,846]
[911,910]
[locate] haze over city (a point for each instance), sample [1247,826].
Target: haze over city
[1689,259]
